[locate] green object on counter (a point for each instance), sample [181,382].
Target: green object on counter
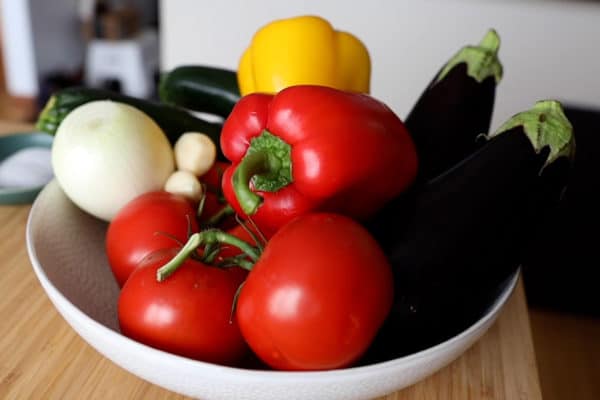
[201,88]
[10,144]
[174,121]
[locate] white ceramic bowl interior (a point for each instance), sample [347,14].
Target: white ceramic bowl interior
[66,248]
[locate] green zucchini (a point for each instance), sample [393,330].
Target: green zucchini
[201,88]
[173,121]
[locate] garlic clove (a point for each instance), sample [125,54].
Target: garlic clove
[186,184]
[195,152]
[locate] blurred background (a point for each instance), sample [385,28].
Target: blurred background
[47,45]
[550,49]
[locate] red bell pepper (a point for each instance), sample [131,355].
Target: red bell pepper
[314,148]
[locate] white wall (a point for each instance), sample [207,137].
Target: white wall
[18,50]
[58,42]
[549,49]
[39,37]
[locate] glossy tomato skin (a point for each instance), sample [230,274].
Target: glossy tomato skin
[317,296]
[143,226]
[187,314]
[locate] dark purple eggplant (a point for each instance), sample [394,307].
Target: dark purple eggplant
[566,280]
[455,239]
[456,107]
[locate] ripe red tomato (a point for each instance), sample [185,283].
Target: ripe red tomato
[214,200]
[188,313]
[143,226]
[213,176]
[317,296]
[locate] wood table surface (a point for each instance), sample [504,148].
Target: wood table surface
[41,357]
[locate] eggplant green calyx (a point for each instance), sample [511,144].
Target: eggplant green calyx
[267,165]
[481,60]
[546,125]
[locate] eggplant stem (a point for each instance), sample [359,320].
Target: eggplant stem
[491,41]
[546,126]
[481,60]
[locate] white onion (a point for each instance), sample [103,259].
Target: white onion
[107,153]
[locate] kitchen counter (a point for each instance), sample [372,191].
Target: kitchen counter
[42,357]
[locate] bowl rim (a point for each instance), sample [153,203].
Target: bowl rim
[82,318]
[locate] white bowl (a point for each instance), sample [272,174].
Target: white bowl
[66,248]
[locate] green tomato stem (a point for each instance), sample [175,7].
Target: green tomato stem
[186,251]
[209,237]
[202,201]
[217,217]
[211,251]
[239,262]
[249,250]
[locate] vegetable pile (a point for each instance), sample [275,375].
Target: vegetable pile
[312,229]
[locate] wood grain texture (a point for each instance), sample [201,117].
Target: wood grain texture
[41,357]
[500,366]
[568,355]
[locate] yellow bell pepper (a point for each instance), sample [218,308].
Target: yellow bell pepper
[303,50]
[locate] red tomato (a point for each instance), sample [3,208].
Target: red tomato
[213,176]
[187,314]
[143,226]
[214,200]
[317,296]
